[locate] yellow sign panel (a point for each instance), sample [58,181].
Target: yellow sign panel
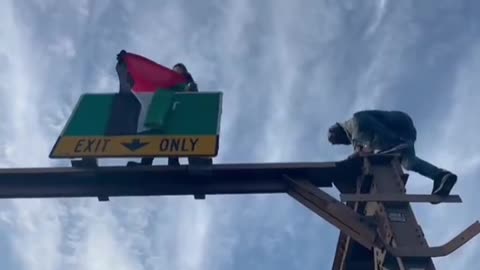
[135,146]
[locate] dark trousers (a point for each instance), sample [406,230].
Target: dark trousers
[413,163]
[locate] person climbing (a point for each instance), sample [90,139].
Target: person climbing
[382,132]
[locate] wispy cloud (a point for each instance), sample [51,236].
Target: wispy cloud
[378,17]
[18,83]
[459,153]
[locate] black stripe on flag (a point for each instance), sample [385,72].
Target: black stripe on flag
[124,115]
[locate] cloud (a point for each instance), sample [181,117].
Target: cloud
[377,19]
[460,154]
[17,93]
[103,241]
[64,47]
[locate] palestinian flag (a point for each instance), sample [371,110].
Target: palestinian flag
[145,79]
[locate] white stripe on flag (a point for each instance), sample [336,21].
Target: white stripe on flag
[145,98]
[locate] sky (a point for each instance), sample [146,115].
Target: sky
[288,70]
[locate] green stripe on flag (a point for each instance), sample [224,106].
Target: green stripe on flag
[159,108]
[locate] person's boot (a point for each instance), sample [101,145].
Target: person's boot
[443,184]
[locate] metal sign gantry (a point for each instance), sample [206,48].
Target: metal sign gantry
[378,229]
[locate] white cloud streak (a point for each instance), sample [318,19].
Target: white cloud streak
[459,152]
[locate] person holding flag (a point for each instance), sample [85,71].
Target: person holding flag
[144,78]
[182,70]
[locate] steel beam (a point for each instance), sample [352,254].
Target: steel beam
[104,182]
[395,197]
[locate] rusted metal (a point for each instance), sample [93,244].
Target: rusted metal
[399,232]
[395,197]
[399,228]
[400,242]
[332,211]
[469,233]
[355,253]
[348,252]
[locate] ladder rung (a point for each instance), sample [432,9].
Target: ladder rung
[399,198]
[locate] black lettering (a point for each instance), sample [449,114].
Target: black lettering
[164,144]
[78,146]
[174,144]
[194,143]
[105,143]
[99,142]
[90,143]
[184,144]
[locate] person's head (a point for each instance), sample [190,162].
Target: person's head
[180,68]
[337,135]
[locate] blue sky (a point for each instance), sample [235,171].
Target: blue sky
[288,70]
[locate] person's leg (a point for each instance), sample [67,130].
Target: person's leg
[443,180]
[143,162]
[123,119]
[173,161]
[146,161]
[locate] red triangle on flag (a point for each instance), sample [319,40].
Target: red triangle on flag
[149,76]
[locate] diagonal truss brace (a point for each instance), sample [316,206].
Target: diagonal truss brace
[333,211]
[361,228]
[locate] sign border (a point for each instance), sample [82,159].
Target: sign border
[133,154]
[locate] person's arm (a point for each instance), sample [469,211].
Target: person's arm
[124,78]
[191,84]
[358,131]
[191,87]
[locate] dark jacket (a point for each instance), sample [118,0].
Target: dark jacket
[380,130]
[192,85]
